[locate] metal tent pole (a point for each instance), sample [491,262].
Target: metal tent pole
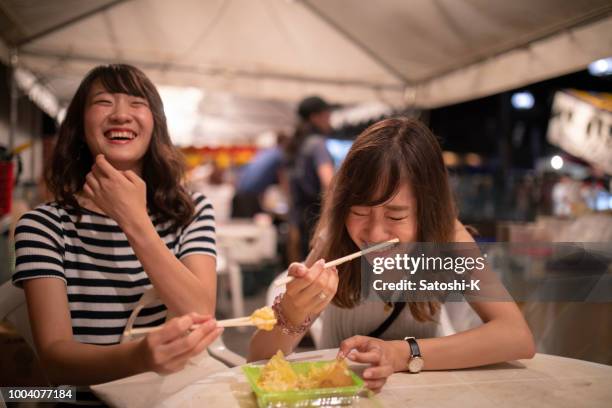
[14,99]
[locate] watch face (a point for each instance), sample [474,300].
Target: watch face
[415,364]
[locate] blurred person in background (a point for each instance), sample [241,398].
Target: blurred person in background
[264,170]
[214,181]
[311,169]
[566,196]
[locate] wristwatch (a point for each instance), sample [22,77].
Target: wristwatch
[415,362]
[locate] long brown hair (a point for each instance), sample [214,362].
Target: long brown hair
[163,165]
[385,155]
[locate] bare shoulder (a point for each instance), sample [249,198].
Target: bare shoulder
[461,233]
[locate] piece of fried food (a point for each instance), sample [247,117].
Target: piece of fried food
[277,375]
[264,318]
[334,374]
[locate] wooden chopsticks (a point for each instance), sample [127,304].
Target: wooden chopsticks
[344,259]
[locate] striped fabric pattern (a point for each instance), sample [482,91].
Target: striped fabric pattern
[104,278]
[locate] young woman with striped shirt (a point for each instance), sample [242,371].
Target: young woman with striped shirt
[120,224]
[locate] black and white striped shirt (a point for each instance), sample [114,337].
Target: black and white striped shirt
[104,278]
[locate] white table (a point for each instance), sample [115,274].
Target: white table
[544,381]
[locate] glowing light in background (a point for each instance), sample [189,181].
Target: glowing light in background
[556,162]
[473,159]
[522,100]
[601,67]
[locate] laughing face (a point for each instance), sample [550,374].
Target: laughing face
[394,219]
[119,126]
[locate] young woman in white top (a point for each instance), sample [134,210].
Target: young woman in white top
[392,184]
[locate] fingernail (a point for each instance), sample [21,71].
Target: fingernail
[321,262]
[367,374]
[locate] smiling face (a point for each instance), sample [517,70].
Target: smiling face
[392,184]
[396,218]
[119,126]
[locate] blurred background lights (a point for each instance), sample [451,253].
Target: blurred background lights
[556,162]
[522,100]
[601,67]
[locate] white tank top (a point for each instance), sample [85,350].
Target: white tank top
[339,324]
[336,324]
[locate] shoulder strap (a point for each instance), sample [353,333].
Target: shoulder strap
[397,309]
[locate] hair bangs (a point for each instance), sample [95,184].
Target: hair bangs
[379,181]
[118,79]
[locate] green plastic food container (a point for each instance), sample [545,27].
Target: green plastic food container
[303,398]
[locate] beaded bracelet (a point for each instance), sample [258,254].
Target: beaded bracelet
[284,324]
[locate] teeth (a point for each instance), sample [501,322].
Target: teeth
[124,134]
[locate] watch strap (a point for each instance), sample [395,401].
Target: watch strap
[415,351]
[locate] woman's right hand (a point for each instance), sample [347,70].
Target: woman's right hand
[310,292]
[168,349]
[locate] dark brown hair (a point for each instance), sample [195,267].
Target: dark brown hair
[163,165]
[384,156]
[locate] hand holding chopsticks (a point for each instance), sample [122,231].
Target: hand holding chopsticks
[263,318]
[344,259]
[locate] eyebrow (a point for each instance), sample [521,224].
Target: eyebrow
[108,92]
[397,207]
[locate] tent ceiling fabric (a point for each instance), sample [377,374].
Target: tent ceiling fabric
[24,19]
[423,39]
[420,52]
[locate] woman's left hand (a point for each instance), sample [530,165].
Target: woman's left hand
[122,195]
[380,354]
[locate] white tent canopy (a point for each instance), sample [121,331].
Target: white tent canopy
[423,53]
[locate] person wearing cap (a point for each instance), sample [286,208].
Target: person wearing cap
[310,167]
